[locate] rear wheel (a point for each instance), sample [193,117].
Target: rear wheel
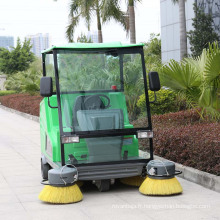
[44,170]
[103,185]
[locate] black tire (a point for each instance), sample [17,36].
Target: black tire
[44,170]
[103,185]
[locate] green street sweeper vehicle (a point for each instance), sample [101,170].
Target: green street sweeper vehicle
[86,117]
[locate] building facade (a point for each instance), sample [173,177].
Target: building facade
[212,7]
[39,42]
[170,36]
[2,82]
[93,35]
[7,42]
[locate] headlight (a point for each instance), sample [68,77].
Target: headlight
[145,134]
[72,139]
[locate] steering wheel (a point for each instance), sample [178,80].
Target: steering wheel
[95,102]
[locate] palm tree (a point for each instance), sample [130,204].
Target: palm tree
[182,21]
[131,14]
[104,10]
[130,19]
[197,80]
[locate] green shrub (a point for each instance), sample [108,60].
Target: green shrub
[166,102]
[7,92]
[27,81]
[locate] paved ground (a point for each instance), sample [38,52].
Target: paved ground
[20,185]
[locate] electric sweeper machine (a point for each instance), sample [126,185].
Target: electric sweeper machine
[90,101]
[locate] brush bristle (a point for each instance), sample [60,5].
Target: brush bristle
[160,187]
[133,181]
[62,195]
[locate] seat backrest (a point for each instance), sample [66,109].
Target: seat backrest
[102,119]
[102,149]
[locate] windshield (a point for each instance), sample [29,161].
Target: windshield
[98,95]
[99,91]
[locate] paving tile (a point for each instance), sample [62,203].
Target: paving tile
[30,197]
[23,180]
[3,182]
[37,205]
[58,214]
[106,211]
[16,215]
[8,199]
[8,208]
[28,189]
[6,191]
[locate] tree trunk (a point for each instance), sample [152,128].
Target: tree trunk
[99,26]
[132,22]
[100,36]
[183,37]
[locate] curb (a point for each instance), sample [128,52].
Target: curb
[25,115]
[204,179]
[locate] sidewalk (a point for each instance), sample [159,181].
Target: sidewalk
[20,185]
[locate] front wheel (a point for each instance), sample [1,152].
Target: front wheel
[103,185]
[44,170]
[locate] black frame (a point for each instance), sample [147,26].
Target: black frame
[101,133]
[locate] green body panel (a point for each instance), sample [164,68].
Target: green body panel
[49,128]
[84,46]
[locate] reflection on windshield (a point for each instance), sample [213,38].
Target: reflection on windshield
[85,72]
[99,91]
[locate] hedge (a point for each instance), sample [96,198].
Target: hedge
[184,138]
[196,146]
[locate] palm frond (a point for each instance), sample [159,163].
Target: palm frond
[198,62]
[87,11]
[110,9]
[79,9]
[74,8]
[71,28]
[182,78]
[212,68]
[198,79]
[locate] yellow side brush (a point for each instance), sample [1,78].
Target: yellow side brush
[62,186]
[62,195]
[160,186]
[161,179]
[133,181]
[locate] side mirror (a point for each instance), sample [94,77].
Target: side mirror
[154,81]
[46,86]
